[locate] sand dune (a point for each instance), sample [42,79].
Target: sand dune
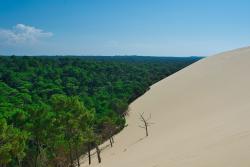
[201,118]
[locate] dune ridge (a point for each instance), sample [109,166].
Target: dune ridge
[201,118]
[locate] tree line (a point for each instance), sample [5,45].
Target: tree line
[55,109]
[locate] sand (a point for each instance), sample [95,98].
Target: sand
[201,118]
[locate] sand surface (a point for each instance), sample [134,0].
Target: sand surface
[201,118]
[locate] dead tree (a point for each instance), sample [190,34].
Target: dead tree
[145,122]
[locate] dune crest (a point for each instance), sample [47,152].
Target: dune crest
[201,118]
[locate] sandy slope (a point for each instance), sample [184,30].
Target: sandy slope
[201,116]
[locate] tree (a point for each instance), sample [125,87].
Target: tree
[73,117]
[91,136]
[12,144]
[108,129]
[89,140]
[40,123]
[98,152]
[145,122]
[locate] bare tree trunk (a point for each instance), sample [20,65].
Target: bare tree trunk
[146,127]
[19,162]
[70,155]
[77,157]
[112,138]
[111,143]
[89,153]
[98,153]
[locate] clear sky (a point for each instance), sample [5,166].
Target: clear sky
[123,27]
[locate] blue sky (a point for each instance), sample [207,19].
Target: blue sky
[123,27]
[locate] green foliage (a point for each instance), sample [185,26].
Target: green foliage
[12,143]
[51,108]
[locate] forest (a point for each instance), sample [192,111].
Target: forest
[53,109]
